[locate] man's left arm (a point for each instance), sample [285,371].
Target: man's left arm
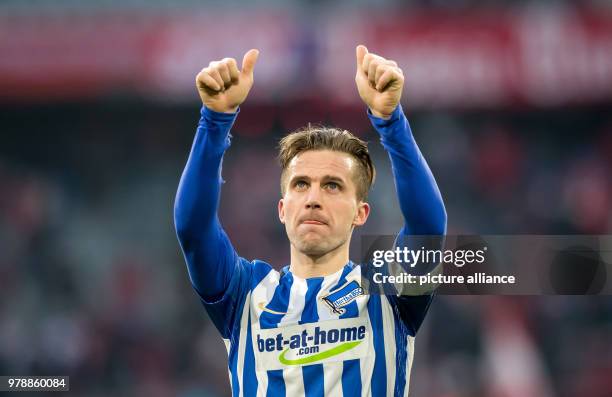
[380,83]
[419,197]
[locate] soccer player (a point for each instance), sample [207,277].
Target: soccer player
[308,330]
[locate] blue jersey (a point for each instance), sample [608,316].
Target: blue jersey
[289,336]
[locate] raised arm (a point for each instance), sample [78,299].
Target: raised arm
[419,198]
[380,83]
[211,259]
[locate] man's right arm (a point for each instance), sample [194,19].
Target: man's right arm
[210,257]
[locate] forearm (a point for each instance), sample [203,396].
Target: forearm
[207,250]
[419,197]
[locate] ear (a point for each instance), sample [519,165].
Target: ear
[281,211]
[363,211]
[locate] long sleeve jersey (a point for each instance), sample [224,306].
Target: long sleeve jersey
[290,336]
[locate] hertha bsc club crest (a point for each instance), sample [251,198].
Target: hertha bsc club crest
[342,296]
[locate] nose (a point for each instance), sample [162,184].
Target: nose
[313,201]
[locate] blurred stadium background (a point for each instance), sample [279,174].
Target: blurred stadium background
[509,101]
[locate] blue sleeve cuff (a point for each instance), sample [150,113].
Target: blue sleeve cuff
[216,126]
[218,117]
[391,127]
[379,122]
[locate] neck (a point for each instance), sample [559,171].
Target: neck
[306,266]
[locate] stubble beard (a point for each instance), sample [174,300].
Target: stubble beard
[318,247]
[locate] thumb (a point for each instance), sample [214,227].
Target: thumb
[361,52]
[248,62]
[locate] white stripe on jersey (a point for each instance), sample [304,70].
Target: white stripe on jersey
[366,367]
[263,293]
[242,343]
[262,383]
[389,335]
[332,378]
[227,347]
[410,359]
[297,300]
[294,381]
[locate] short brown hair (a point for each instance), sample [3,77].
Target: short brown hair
[314,137]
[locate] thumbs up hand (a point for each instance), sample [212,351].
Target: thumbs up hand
[222,87]
[379,82]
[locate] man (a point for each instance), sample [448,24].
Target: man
[308,330]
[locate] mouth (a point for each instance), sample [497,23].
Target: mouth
[312,222]
[316,221]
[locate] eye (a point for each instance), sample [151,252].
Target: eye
[300,185]
[332,186]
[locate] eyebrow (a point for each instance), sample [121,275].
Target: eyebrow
[325,178]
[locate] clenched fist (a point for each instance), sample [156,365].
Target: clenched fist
[222,86]
[379,82]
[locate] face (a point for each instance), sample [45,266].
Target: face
[320,207]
